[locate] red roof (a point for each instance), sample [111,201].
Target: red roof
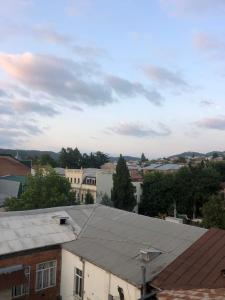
[12,166]
[201,266]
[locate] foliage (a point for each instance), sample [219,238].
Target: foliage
[189,188]
[106,200]
[46,159]
[73,159]
[143,158]
[219,166]
[122,194]
[214,212]
[89,198]
[43,190]
[158,193]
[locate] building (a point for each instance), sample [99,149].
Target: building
[198,273]
[95,181]
[12,166]
[87,252]
[30,254]
[165,168]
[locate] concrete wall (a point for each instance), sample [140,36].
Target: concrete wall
[98,283]
[104,184]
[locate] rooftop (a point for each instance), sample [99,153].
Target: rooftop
[107,237]
[200,266]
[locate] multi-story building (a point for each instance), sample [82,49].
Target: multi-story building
[95,181]
[86,252]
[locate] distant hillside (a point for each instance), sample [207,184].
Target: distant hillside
[197,154]
[126,157]
[29,154]
[32,154]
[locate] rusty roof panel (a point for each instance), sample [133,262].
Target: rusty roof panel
[200,266]
[198,294]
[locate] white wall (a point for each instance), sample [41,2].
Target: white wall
[98,283]
[104,184]
[138,193]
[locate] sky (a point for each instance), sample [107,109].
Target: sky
[119,76]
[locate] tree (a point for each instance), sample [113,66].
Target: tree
[89,198]
[159,194]
[143,158]
[70,158]
[214,213]
[122,194]
[46,159]
[43,190]
[106,200]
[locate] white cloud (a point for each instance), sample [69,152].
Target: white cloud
[139,130]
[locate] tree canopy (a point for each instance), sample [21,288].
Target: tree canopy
[187,189]
[73,159]
[122,194]
[43,190]
[213,212]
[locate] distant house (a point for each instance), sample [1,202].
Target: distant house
[198,273]
[165,168]
[95,181]
[85,252]
[12,166]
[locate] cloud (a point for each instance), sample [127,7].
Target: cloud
[126,88]
[77,7]
[15,132]
[165,77]
[140,130]
[209,45]
[195,8]
[52,36]
[66,80]
[212,123]
[206,103]
[23,106]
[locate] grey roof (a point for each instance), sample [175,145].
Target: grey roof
[33,229]
[168,167]
[152,167]
[112,239]
[60,171]
[8,188]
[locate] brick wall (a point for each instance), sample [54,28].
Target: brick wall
[32,258]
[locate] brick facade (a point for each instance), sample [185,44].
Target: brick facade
[32,258]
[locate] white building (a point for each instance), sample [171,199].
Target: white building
[95,181]
[96,248]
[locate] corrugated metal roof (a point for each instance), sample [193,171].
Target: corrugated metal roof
[152,166]
[200,266]
[200,294]
[112,239]
[109,238]
[168,167]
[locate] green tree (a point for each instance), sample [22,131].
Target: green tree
[43,190]
[46,159]
[213,212]
[106,200]
[122,194]
[143,158]
[70,158]
[89,198]
[159,194]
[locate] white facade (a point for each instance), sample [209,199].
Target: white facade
[98,284]
[95,181]
[138,193]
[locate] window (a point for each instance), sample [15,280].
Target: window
[22,289]
[78,283]
[74,180]
[46,275]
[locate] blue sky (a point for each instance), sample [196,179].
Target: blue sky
[117,76]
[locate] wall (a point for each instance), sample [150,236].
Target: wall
[138,193]
[31,258]
[104,184]
[98,283]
